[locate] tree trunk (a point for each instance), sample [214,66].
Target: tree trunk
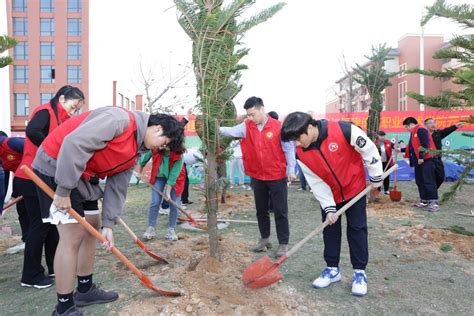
[212,192]
[373,121]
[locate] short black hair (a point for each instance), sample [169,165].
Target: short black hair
[429,118]
[253,102]
[295,125]
[171,129]
[381,133]
[409,120]
[274,115]
[2,133]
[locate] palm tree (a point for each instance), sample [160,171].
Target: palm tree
[5,44]
[216,34]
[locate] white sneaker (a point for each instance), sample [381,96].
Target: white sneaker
[164,211]
[359,283]
[231,187]
[149,233]
[16,249]
[327,277]
[171,235]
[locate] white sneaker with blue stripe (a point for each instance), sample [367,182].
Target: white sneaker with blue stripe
[327,277]
[359,283]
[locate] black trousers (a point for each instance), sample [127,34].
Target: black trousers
[39,235]
[425,178]
[185,195]
[386,181]
[439,169]
[277,192]
[21,210]
[356,236]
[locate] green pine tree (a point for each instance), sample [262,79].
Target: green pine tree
[216,30]
[461,49]
[6,43]
[375,78]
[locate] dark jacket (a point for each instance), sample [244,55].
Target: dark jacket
[439,134]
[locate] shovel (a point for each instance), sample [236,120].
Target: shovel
[11,203]
[395,196]
[140,243]
[91,230]
[264,272]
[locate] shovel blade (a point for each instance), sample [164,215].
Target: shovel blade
[262,273]
[147,282]
[395,195]
[150,253]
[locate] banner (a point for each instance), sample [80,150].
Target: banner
[391,122]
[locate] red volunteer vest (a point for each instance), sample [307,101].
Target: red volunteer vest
[388,150]
[415,141]
[157,157]
[262,154]
[337,163]
[10,158]
[30,149]
[118,155]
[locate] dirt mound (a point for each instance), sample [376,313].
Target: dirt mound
[417,237]
[7,241]
[386,208]
[211,286]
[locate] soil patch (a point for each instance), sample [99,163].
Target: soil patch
[384,207]
[434,239]
[7,241]
[211,286]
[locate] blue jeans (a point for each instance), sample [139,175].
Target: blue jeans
[156,200]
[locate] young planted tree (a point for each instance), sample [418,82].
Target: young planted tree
[375,78]
[461,48]
[6,43]
[216,30]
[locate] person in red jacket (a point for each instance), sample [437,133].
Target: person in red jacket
[332,156]
[424,163]
[43,120]
[386,148]
[269,162]
[99,144]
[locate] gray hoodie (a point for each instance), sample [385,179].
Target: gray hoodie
[93,134]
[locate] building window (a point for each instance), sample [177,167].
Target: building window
[127,103]
[402,68]
[20,26]
[47,50]
[21,104]
[74,74]
[46,97]
[20,51]
[402,96]
[121,99]
[133,107]
[20,74]
[19,5]
[74,27]
[74,50]
[46,6]
[74,5]
[47,27]
[47,74]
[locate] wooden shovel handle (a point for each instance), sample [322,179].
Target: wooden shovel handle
[129,231]
[321,226]
[90,229]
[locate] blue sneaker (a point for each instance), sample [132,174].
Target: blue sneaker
[327,277]
[359,283]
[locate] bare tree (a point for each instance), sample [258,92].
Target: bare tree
[162,91]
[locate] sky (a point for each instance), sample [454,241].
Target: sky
[295,57]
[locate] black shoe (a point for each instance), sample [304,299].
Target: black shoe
[187,202]
[95,295]
[41,284]
[71,311]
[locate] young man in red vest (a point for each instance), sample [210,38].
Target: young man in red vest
[103,143]
[424,164]
[332,156]
[11,153]
[386,152]
[269,162]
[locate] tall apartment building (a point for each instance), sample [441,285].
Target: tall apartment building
[405,56]
[52,51]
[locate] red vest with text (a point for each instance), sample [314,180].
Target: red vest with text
[30,149]
[157,157]
[262,154]
[415,141]
[388,150]
[337,163]
[10,158]
[118,155]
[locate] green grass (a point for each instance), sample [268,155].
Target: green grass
[460,230]
[446,247]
